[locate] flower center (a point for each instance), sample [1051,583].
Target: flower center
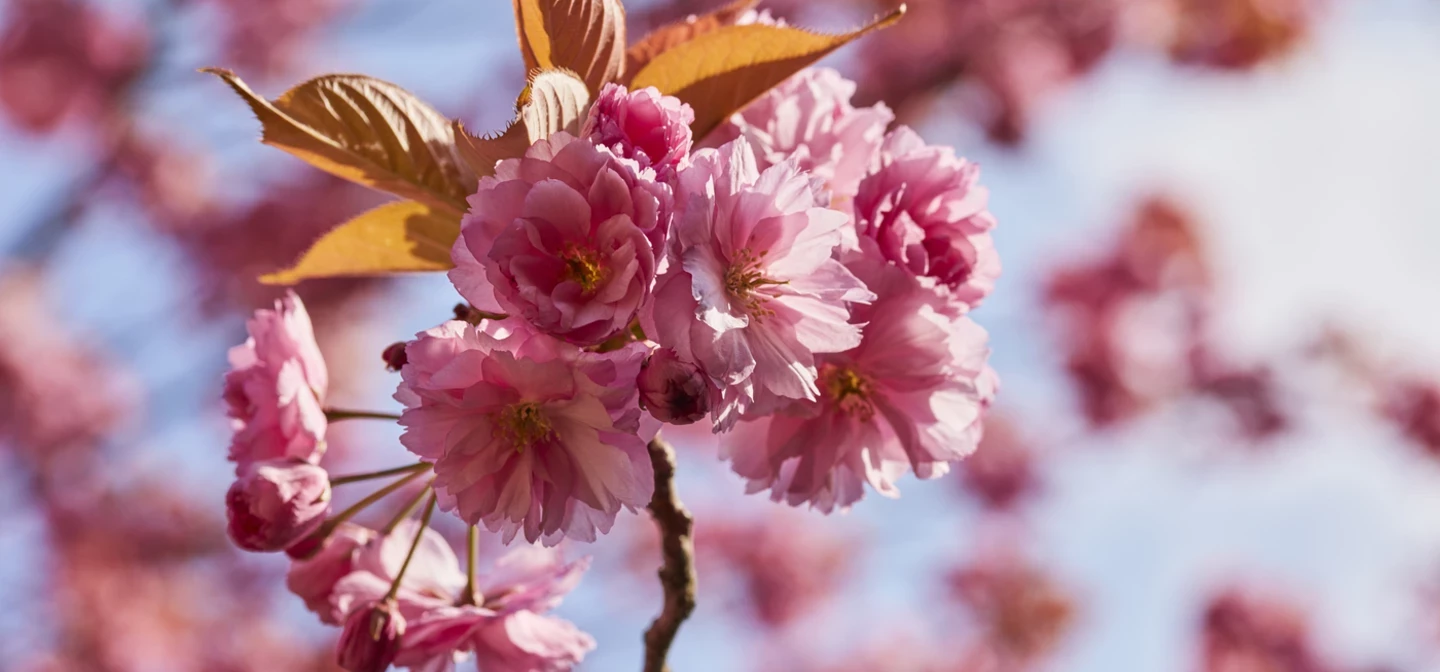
[524,424]
[745,282]
[584,267]
[849,390]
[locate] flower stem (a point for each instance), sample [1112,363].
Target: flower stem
[409,509]
[472,549]
[419,533]
[355,478]
[677,573]
[337,414]
[361,505]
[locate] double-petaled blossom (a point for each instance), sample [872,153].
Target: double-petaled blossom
[567,237]
[925,211]
[526,433]
[313,578]
[276,503]
[275,387]
[502,624]
[809,119]
[753,293]
[908,397]
[642,125]
[672,390]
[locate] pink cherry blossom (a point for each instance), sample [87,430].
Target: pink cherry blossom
[275,503]
[925,210]
[809,118]
[909,397]
[753,266]
[275,387]
[371,639]
[672,390]
[313,579]
[567,238]
[644,126]
[526,433]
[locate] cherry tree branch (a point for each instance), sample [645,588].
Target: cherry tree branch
[677,573]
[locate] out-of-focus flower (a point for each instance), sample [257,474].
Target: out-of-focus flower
[1237,34]
[503,625]
[269,36]
[313,578]
[926,212]
[55,393]
[1024,612]
[809,119]
[672,390]
[64,60]
[1001,472]
[275,387]
[908,397]
[644,126]
[568,236]
[1246,632]
[276,503]
[787,565]
[754,269]
[371,639]
[526,432]
[1010,55]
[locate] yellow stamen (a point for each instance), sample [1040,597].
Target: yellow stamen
[524,424]
[849,390]
[584,267]
[745,283]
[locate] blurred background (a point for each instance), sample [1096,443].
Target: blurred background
[1217,447]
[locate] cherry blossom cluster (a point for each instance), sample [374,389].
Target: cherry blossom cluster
[803,282]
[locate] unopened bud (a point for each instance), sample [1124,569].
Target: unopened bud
[276,503]
[394,356]
[673,391]
[371,638]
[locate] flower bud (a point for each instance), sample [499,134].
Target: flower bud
[672,390]
[394,356]
[371,638]
[314,576]
[276,503]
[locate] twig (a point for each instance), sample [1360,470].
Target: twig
[677,573]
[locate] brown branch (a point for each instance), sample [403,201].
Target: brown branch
[677,547]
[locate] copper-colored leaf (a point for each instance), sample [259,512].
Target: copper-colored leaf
[586,36]
[671,35]
[721,71]
[368,131]
[555,100]
[397,237]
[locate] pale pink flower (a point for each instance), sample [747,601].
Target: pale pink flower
[313,578]
[649,128]
[809,119]
[926,211]
[526,433]
[753,266]
[909,397]
[371,639]
[276,386]
[568,238]
[276,503]
[432,581]
[672,390]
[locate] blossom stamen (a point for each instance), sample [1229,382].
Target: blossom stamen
[584,267]
[524,424]
[850,391]
[745,282]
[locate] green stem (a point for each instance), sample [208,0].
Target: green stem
[337,414]
[400,576]
[355,478]
[472,548]
[359,506]
[409,509]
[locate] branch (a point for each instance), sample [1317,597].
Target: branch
[677,574]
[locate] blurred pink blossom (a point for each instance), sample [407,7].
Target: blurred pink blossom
[313,578]
[371,639]
[1024,613]
[1002,471]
